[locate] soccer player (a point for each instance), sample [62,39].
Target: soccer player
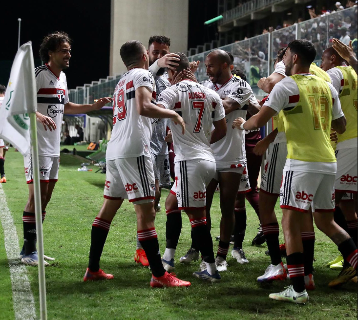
[130,172]
[201,108]
[309,107]
[159,58]
[344,80]
[52,103]
[229,152]
[2,143]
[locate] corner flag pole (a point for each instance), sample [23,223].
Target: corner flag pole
[38,211]
[18,37]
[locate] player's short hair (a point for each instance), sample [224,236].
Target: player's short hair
[159,39]
[332,52]
[183,63]
[51,43]
[2,89]
[131,52]
[239,72]
[231,57]
[304,49]
[222,55]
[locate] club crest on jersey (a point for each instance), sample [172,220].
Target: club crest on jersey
[52,111]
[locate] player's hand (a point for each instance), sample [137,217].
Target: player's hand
[261,82]
[261,147]
[346,52]
[334,136]
[237,123]
[189,74]
[169,61]
[101,103]
[194,65]
[179,120]
[169,137]
[47,122]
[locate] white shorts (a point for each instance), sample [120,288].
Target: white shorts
[161,169]
[272,176]
[130,178]
[302,190]
[2,144]
[244,182]
[191,180]
[346,177]
[49,167]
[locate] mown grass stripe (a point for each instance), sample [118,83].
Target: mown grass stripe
[24,306]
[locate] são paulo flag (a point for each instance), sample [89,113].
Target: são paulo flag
[19,100]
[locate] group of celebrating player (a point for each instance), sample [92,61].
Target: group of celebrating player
[207,130]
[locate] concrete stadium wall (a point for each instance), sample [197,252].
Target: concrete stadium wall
[140,19]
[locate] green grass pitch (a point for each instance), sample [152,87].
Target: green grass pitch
[77,199]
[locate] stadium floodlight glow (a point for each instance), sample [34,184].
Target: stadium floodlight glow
[213,19]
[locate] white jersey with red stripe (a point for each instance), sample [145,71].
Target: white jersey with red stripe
[131,132]
[199,107]
[230,151]
[52,95]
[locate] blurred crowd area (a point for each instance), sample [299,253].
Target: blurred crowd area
[255,56]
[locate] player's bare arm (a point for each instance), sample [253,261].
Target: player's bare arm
[339,125]
[146,108]
[47,122]
[73,108]
[346,52]
[263,144]
[230,105]
[256,121]
[253,107]
[219,132]
[267,84]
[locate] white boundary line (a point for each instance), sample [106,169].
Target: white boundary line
[23,300]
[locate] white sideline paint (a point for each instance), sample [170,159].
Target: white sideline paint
[24,306]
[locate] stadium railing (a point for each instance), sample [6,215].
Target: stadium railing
[254,56]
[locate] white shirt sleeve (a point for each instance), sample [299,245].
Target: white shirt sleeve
[278,98]
[154,68]
[280,68]
[242,94]
[336,77]
[168,98]
[336,108]
[144,79]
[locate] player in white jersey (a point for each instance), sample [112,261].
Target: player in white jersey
[229,152]
[201,109]
[308,176]
[159,58]
[2,143]
[52,103]
[129,166]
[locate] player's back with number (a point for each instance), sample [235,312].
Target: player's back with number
[200,107]
[131,132]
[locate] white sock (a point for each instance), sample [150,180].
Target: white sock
[169,254]
[139,246]
[211,268]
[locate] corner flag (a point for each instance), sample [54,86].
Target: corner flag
[19,100]
[18,126]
